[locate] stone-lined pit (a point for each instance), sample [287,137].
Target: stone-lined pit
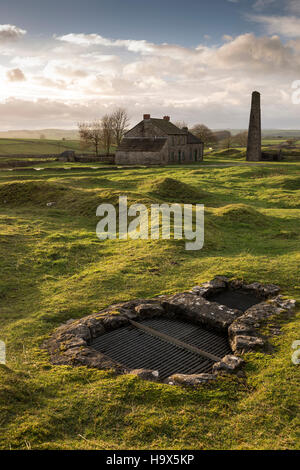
[239,299]
[72,343]
[138,349]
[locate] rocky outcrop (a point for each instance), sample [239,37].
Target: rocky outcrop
[146,374]
[245,332]
[200,311]
[190,380]
[229,364]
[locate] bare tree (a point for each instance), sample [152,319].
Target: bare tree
[291,141]
[91,133]
[120,122]
[221,135]
[227,143]
[241,139]
[204,133]
[107,128]
[180,124]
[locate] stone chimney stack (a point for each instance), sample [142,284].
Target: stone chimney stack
[146,116]
[254,134]
[185,129]
[167,118]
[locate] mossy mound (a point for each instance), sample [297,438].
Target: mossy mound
[241,213]
[40,193]
[74,201]
[30,192]
[291,183]
[261,173]
[231,152]
[172,190]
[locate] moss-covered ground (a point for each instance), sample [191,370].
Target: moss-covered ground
[53,268]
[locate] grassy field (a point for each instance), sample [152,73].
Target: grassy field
[14,146]
[39,146]
[54,268]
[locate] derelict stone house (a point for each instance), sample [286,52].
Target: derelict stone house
[158,142]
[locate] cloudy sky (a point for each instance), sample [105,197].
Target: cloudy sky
[62,61]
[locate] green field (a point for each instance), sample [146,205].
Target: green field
[54,268]
[39,147]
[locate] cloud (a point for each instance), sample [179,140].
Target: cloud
[294,6]
[28,61]
[288,26]
[88,74]
[9,32]
[257,55]
[87,40]
[261,4]
[15,75]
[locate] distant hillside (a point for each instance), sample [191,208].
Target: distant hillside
[267,133]
[51,134]
[281,133]
[18,147]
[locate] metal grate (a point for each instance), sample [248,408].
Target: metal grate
[210,341]
[136,349]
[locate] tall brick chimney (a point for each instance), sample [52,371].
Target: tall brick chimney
[254,134]
[167,118]
[147,116]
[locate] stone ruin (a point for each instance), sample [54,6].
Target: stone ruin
[71,342]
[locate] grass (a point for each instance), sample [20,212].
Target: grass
[54,268]
[238,155]
[39,146]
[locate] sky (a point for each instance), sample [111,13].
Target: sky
[65,61]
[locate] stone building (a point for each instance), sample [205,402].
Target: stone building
[158,142]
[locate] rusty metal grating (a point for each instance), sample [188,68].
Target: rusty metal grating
[138,349]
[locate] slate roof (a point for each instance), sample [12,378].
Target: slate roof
[142,144]
[167,126]
[192,139]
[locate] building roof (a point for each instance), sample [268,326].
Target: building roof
[142,144]
[167,126]
[192,139]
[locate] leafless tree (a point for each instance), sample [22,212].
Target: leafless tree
[180,124]
[204,133]
[241,139]
[91,133]
[107,128]
[291,142]
[227,143]
[120,122]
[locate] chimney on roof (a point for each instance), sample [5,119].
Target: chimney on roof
[167,118]
[185,129]
[147,116]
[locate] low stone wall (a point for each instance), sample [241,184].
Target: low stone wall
[69,344]
[28,155]
[100,158]
[23,163]
[141,158]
